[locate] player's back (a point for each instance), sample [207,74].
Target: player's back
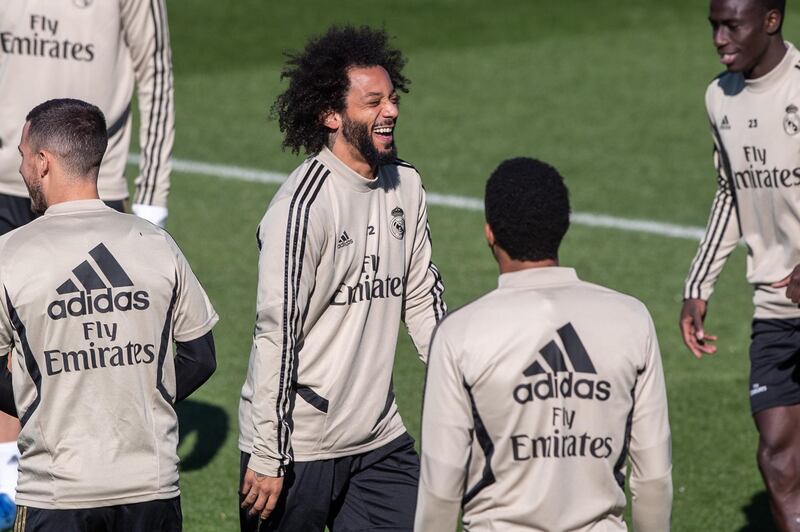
[550,365]
[91,295]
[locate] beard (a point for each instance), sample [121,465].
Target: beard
[38,203]
[358,135]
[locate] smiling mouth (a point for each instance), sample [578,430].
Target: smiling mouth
[384,133]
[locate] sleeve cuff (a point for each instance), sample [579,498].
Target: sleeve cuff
[266,466]
[154,214]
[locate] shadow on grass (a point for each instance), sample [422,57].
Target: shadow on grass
[758,515]
[211,424]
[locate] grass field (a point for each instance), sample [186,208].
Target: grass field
[609,91]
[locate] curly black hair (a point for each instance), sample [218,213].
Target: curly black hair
[527,207]
[318,81]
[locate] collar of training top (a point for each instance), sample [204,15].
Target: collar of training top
[77,206]
[346,174]
[549,275]
[772,77]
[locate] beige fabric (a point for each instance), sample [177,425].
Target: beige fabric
[535,396]
[343,260]
[756,129]
[91,302]
[95,51]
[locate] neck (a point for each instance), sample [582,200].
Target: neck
[350,156]
[772,56]
[75,190]
[509,265]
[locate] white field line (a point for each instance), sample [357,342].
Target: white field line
[444,200]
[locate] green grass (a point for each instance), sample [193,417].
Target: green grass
[610,91]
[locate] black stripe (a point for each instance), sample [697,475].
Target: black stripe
[288,301]
[301,227]
[486,445]
[165,343]
[575,350]
[534,369]
[152,164]
[704,265]
[88,277]
[387,406]
[619,475]
[439,306]
[30,360]
[67,287]
[312,398]
[166,62]
[110,267]
[119,122]
[554,357]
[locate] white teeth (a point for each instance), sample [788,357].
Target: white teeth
[383,130]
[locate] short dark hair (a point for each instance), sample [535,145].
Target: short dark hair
[75,131]
[527,207]
[318,81]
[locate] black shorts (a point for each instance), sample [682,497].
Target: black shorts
[163,515]
[376,490]
[774,363]
[15,211]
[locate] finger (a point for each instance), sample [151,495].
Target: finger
[783,282]
[690,340]
[258,506]
[270,506]
[250,498]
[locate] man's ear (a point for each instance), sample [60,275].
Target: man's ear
[489,235]
[43,162]
[772,24]
[332,120]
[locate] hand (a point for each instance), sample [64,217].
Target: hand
[260,492]
[691,323]
[152,213]
[792,284]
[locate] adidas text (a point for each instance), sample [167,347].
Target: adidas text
[551,387]
[84,303]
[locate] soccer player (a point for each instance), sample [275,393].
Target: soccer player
[97,51]
[539,392]
[91,302]
[345,256]
[755,123]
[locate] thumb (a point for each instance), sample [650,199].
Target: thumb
[697,320]
[783,282]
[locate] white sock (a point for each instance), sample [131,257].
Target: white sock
[9,460]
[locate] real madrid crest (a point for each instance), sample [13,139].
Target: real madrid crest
[398,224]
[791,122]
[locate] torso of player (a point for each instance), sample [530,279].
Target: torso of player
[66,49]
[551,370]
[350,331]
[92,378]
[758,124]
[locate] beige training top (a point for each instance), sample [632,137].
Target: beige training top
[92,301]
[536,397]
[94,51]
[756,129]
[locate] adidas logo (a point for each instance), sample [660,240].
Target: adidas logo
[109,300]
[344,240]
[725,124]
[555,384]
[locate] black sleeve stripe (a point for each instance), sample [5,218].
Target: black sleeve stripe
[158,119]
[166,343]
[724,206]
[439,307]
[296,231]
[30,360]
[485,442]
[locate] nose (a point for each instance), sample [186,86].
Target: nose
[390,110]
[720,36]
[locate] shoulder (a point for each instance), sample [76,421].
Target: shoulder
[726,84]
[459,321]
[620,305]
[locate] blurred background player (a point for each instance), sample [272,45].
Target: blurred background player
[755,123]
[538,392]
[92,302]
[345,256]
[97,51]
